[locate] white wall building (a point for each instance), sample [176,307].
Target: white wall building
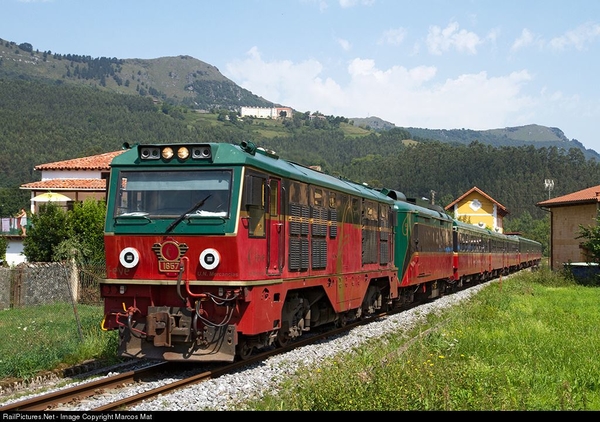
[266,112]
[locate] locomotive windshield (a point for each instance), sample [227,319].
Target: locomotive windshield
[168,194]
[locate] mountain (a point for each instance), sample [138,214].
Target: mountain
[186,81]
[181,80]
[534,135]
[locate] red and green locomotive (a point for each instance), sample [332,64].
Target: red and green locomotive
[213,250]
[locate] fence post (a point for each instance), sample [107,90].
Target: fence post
[74,281]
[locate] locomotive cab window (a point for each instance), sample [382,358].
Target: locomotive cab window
[254,204]
[169,194]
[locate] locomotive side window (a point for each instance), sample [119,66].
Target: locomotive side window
[318,199]
[254,204]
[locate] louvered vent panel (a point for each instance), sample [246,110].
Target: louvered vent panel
[305,216]
[295,213]
[294,258]
[333,229]
[304,254]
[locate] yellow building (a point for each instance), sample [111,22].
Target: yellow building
[478,208]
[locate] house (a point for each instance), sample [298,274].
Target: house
[266,112]
[76,179]
[567,213]
[63,182]
[478,208]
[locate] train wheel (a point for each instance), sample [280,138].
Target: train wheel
[244,350]
[283,336]
[342,320]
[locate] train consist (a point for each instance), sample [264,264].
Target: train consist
[213,250]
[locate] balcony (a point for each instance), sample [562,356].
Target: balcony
[9,226]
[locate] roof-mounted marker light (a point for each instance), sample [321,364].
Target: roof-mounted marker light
[183,153]
[167,153]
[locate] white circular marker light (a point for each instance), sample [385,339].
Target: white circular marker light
[209,259]
[129,257]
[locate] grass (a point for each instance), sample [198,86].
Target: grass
[47,337]
[527,343]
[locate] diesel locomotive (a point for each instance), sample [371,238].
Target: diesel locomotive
[214,250]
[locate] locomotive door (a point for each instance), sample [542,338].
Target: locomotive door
[275,229]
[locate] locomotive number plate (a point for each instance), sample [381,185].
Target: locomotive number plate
[168,266]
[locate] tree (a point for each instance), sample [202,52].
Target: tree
[47,229]
[58,235]
[86,229]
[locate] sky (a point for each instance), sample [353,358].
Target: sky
[435,64]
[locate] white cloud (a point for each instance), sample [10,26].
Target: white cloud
[344,4]
[442,40]
[345,44]
[404,96]
[393,36]
[525,40]
[578,38]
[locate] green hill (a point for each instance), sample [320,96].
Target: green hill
[55,107]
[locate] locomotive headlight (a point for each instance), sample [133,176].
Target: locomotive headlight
[209,259]
[183,153]
[129,257]
[167,153]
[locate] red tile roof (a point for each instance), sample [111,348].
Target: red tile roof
[94,162]
[67,184]
[589,195]
[502,209]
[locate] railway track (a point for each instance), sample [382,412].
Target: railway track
[72,398]
[68,398]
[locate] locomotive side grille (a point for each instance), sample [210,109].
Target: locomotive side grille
[319,253]
[295,213]
[333,229]
[384,253]
[298,256]
[305,216]
[369,243]
[304,263]
[319,218]
[294,258]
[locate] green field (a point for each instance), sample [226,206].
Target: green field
[528,342]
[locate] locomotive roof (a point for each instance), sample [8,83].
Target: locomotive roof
[431,212]
[247,154]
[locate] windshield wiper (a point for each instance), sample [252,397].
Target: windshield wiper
[182,216]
